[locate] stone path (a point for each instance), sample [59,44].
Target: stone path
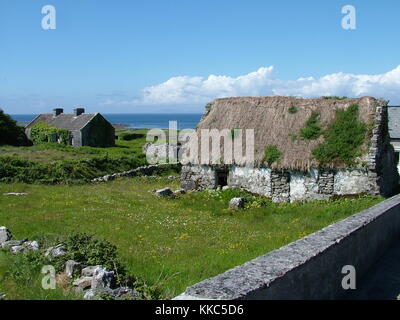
[382,281]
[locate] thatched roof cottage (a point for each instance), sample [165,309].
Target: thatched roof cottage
[303,148]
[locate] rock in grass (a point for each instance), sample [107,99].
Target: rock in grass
[125,293]
[89,271]
[103,280]
[17,249]
[179,192]
[11,243]
[31,245]
[166,192]
[15,194]
[236,203]
[57,251]
[5,235]
[72,267]
[83,282]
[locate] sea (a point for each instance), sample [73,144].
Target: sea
[138,121]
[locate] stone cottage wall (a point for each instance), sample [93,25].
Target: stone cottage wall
[381,158]
[198,177]
[283,186]
[255,180]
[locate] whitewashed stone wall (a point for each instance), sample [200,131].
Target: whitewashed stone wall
[352,182]
[255,180]
[304,186]
[283,186]
[198,177]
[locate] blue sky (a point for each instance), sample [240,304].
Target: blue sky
[175,55]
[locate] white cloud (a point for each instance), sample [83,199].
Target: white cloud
[199,90]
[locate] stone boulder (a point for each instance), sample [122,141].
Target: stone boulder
[17,249]
[103,280]
[179,192]
[89,271]
[166,192]
[72,267]
[5,235]
[31,245]
[56,251]
[15,194]
[83,282]
[236,203]
[12,243]
[125,293]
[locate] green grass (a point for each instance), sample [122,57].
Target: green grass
[171,242]
[52,163]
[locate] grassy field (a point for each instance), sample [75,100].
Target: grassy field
[50,152]
[171,242]
[52,163]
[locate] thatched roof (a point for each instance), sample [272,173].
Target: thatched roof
[274,124]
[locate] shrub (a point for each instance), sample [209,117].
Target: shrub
[10,132]
[42,132]
[126,136]
[343,139]
[272,154]
[311,130]
[64,171]
[25,267]
[293,110]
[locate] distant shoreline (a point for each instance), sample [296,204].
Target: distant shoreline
[136,121]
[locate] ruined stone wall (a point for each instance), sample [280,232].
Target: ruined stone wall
[198,177]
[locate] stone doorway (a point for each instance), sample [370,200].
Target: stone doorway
[222,178]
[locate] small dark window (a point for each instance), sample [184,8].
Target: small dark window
[222,178]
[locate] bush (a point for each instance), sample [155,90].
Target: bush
[343,139]
[272,154]
[64,171]
[312,130]
[126,136]
[25,267]
[11,133]
[42,132]
[293,110]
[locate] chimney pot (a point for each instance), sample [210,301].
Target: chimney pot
[79,111]
[57,111]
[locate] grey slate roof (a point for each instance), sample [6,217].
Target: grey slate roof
[394,122]
[66,121]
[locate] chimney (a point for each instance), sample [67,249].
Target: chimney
[79,111]
[57,111]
